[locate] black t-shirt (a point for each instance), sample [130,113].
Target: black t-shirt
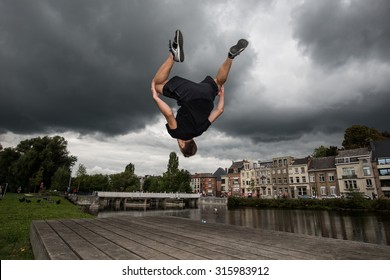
[192,119]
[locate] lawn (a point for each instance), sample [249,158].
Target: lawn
[16,218]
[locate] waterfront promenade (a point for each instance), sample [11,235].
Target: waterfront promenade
[164,238]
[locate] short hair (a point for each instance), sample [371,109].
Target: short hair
[189,148]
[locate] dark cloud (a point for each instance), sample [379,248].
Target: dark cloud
[87,65]
[333,33]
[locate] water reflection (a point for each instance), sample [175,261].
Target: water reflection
[357,226]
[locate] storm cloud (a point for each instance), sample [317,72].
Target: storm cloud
[83,68]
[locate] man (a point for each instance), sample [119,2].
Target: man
[196,100]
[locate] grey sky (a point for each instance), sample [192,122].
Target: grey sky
[82,69]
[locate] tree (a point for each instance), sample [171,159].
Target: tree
[323,151]
[81,178]
[125,181]
[359,136]
[60,179]
[175,180]
[32,155]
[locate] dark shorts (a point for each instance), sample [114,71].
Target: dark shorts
[184,90]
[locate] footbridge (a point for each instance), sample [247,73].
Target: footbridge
[127,200]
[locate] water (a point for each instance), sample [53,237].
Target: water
[357,226]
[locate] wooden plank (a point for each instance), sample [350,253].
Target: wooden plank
[101,242]
[144,238]
[179,238]
[297,244]
[194,249]
[47,244]
[84,249]
[126,241]
[225,240]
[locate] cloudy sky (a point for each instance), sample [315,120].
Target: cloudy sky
[82,70]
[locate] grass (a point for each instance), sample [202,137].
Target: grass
[16,218]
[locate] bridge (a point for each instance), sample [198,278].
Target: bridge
[129,200]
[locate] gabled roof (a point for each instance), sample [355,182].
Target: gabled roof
[322,163]
[354,152]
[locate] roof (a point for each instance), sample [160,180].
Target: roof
[380,148]
[300,161]
[353,153]
[322,163]
[219,172]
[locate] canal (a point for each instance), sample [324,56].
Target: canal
[351,225]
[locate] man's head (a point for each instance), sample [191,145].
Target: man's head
[187,147]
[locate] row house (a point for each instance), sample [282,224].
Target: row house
[323,177]
[232,180]
[248,179]
[222,188]
[381,166]
[298,177]
[280,176]
[355,172]
[204,183]
[263,172]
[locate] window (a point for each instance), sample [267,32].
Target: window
[323,190]
[322,178]
[368,183]
[350,184]
[303,179]
[348,171]
[331,178]
[384,172]
[302,169]
[366,171]
[383,161]
[312,178]
[332,190]
[291,180]
[302,191]
[297,179]
[284,180]
[296,169]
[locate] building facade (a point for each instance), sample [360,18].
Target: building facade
[323,178]
[355,172]
[298,178]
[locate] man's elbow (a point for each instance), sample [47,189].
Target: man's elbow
[220,111]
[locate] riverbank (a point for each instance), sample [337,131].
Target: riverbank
[16,217]
[355,203]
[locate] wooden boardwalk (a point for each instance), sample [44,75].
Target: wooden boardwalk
[165,238]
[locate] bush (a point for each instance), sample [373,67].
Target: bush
[355,203]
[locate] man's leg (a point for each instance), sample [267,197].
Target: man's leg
[161,77]
[223,72]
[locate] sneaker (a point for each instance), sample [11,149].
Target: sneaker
[176,48]
[238,48]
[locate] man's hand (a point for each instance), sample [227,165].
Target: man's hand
[221,91]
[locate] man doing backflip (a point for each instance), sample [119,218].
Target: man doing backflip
[196,100]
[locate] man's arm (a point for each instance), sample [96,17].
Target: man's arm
[164,109]
[220,106]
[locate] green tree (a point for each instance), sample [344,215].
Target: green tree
[31,156]
[175,180]
[82,178]
[60,179]
[323,151]
[125,181]
[359,136]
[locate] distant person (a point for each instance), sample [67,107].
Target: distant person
[196,100]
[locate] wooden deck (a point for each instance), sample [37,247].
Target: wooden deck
[165,238]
